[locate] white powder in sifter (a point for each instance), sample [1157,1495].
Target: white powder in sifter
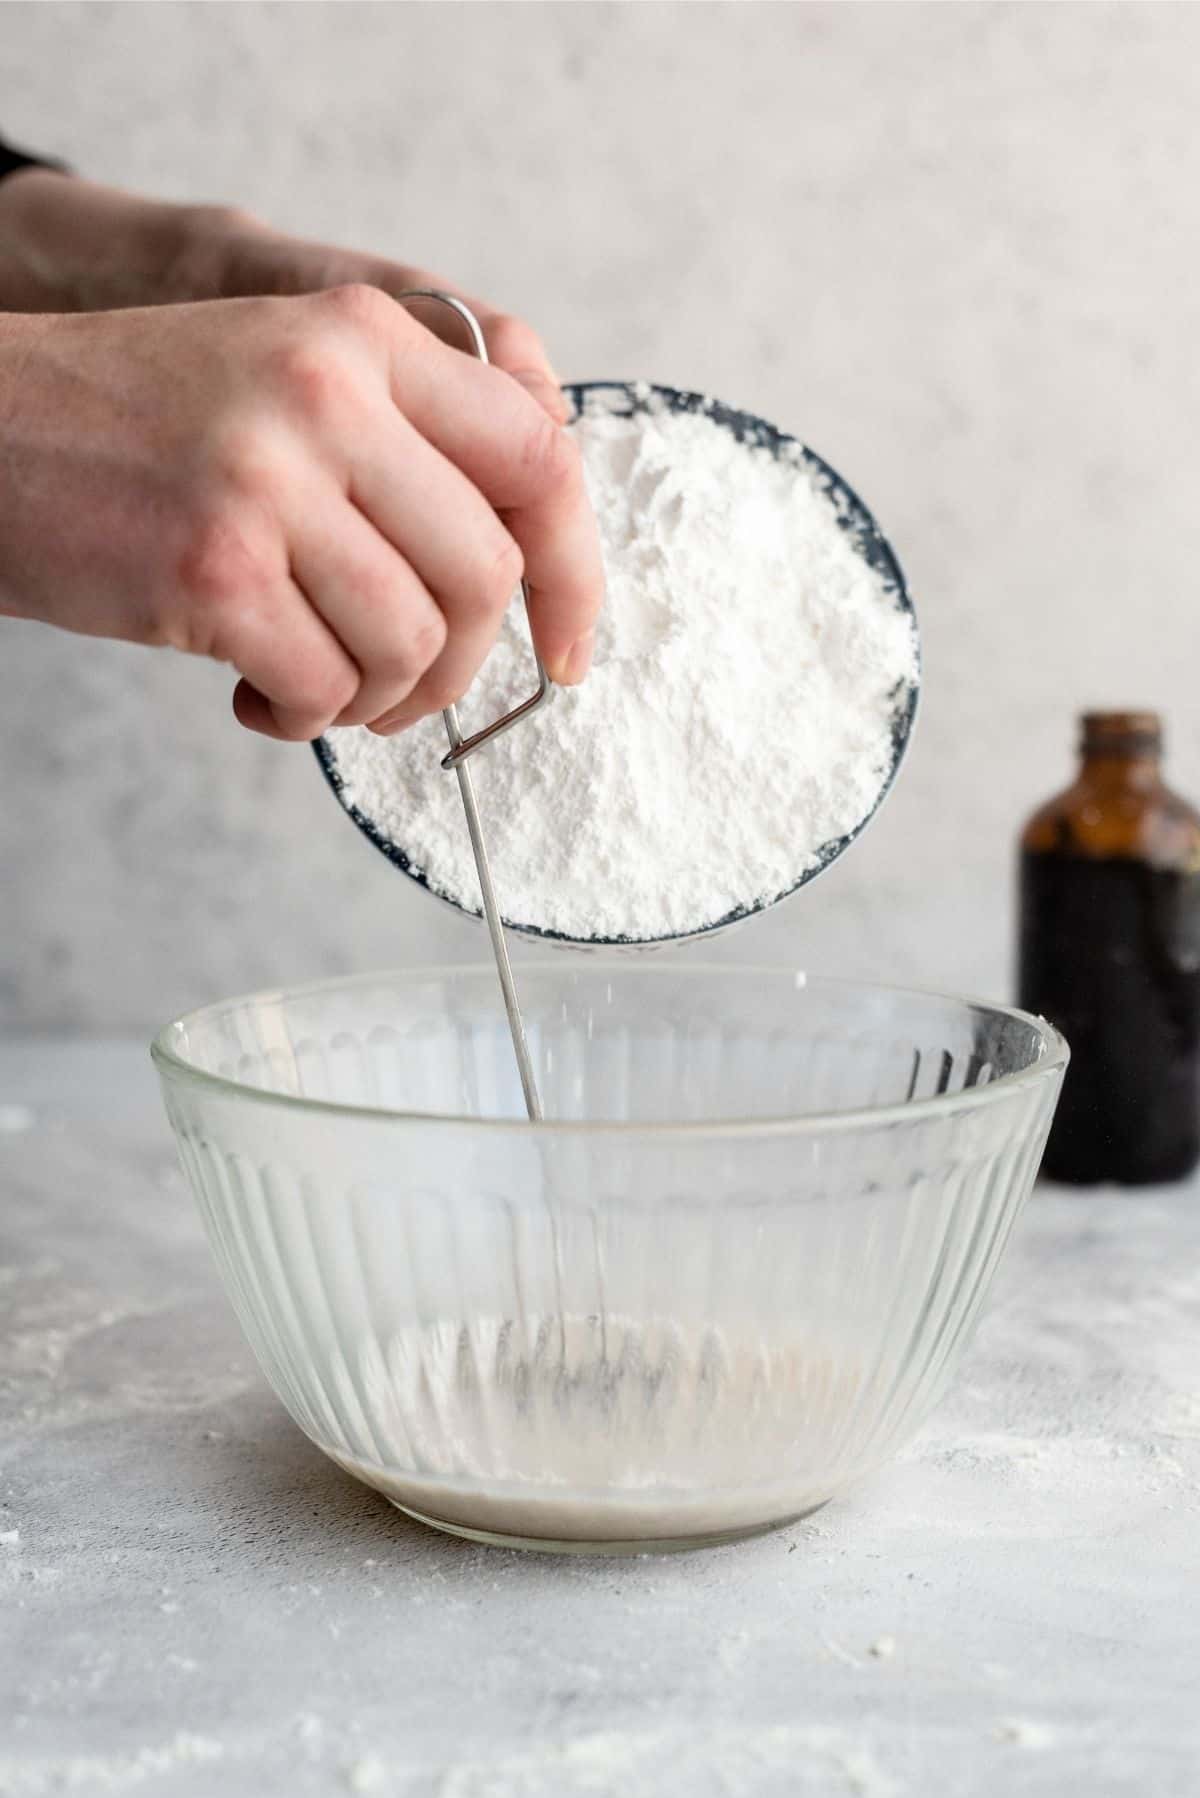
[738,716]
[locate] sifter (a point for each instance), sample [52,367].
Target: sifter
[457,758]
[868,543]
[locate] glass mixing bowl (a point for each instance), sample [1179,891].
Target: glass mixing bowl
[730,1277]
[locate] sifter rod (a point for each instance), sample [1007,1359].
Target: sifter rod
[491,912]
[457,759]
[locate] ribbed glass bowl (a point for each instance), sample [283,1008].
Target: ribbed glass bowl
[730,1276]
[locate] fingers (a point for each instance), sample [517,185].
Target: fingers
[531,472]
[419,497]
[468,561]
[512,345]
[296,677]
[516,347]
[253,712]
[564,575]
[372,600]
[232,597]
[410,569]
[234,255]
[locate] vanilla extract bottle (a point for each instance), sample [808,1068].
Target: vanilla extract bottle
[1109,951]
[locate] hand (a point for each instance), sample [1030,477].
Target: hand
[226,254]
[315,489]
[69,245]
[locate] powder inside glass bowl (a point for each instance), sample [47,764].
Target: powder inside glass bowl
[601,1429]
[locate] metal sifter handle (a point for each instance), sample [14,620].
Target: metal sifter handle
[460,748]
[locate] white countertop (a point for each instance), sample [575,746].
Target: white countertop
[195,1601]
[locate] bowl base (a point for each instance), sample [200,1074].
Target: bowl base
[641,1545]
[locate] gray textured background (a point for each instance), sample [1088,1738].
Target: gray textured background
[954,246]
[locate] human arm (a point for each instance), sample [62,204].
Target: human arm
[71,245]
[313,487]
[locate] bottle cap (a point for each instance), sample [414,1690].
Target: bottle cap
[1121,733]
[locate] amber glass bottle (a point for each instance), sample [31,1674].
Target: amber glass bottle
[1110,952]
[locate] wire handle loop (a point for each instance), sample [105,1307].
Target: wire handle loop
[467,746]
[460,749]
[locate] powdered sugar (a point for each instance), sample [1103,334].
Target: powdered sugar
[738,721]
[604,1428]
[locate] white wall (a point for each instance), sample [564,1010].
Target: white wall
[953,246]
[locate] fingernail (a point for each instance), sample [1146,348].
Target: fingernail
[570,669]
[390,723]
[545,390]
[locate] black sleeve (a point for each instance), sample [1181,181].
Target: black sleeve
[12,159]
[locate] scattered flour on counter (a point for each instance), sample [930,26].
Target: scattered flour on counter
[1022,1732]
[96,1773]
[368,1775]
[816,1760]
[738,718]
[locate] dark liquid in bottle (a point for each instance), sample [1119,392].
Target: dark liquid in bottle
[1110,953]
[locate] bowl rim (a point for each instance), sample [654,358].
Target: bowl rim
[1052,1060]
